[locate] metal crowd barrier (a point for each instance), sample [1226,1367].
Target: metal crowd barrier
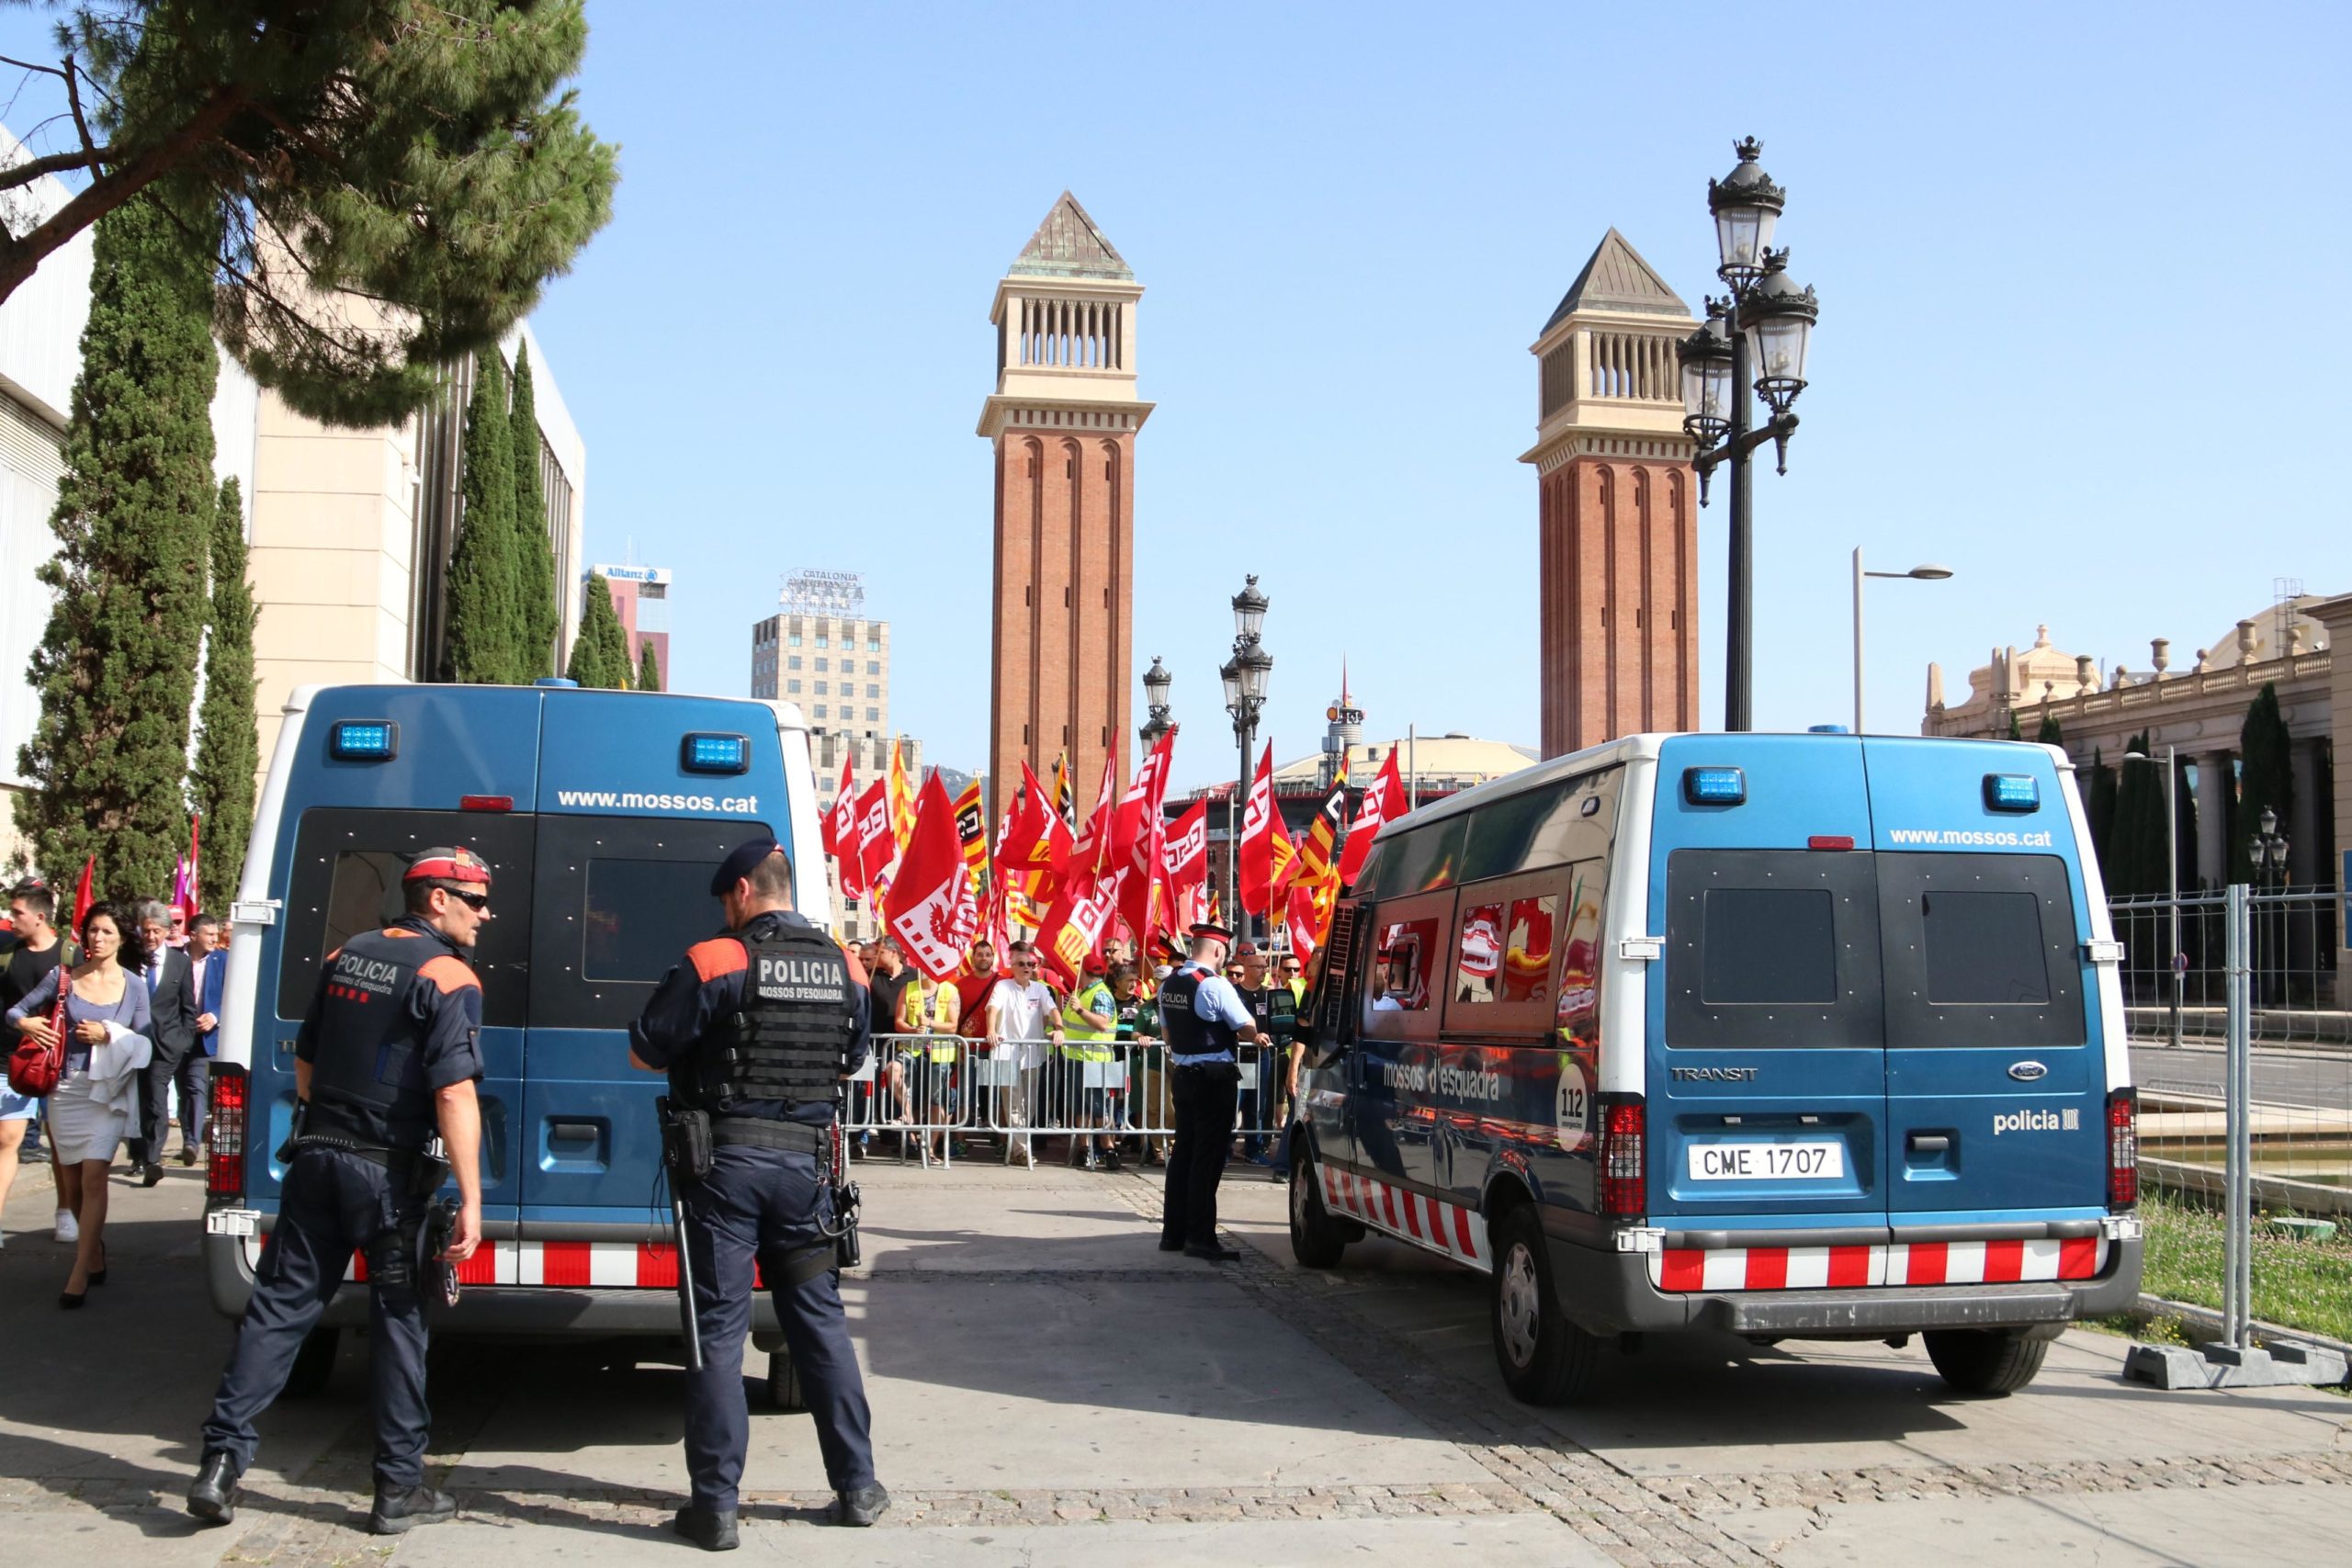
[932,1091]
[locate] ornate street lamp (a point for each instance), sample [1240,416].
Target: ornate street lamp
[1156,682]
[1244,676]
[1767,322]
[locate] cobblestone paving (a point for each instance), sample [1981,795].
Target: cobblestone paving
[319,1522]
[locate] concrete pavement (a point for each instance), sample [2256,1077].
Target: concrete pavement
[1049,1387]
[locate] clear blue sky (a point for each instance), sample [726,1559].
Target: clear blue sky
[2073,264]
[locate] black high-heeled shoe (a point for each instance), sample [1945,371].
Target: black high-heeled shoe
[69,1301]
[98,1275]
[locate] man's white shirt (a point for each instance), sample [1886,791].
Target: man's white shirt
[1022,1013]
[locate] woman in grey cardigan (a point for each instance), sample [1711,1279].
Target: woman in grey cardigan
[107,1043]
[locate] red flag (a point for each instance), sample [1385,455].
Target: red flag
[1142,828]
[1073,928]
[840,832]
[1300,918]
[933,913]
[1266,850]
[1093,849]
[83,894]
[1036,839]
[1384,802]
[874,845]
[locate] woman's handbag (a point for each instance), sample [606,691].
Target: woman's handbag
[33,1068]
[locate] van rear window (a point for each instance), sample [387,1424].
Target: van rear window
[1984,947]
[1769,945]
[637,914]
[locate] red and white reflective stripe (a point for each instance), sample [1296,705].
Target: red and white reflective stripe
[574,1265]
[1452,1229]
[1919,1263]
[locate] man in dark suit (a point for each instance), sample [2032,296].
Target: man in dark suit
[171,998]
[208,968]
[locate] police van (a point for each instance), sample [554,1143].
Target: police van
[602,816]
[1789,1036]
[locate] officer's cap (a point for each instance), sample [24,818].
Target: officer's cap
[458,864]
[736,866]
[1210,928]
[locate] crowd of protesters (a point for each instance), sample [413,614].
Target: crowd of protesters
[132,997]
[1002,1049]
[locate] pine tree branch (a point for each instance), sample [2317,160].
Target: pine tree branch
[90,157]
[21,255]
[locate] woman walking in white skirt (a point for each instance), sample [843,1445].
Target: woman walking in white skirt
[106,1044]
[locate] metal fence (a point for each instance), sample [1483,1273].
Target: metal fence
[2242,1052]
[938,1098]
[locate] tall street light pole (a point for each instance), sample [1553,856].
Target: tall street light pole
[1245,694]
[1755,338]
[1156,682]
[2179,962]
[1923,573]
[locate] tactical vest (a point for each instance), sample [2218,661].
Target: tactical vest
[790,1037]
[1188,1033]
[367,1080]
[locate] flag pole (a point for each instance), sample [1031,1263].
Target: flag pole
[1412,769]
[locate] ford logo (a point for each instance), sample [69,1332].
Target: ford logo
[2028,1072]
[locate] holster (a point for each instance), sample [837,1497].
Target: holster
[686,1141]
[436,1277]
[429,1169]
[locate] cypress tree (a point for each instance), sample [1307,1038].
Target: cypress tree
[485,591]
[534,549]
[2266,778]
[2049,734]
[649,669]
[2136,854]
[2017,731]
[600,653]
[228,753]
[116,669]
[2100,808]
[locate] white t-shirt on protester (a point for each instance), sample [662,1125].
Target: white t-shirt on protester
[1022,1013]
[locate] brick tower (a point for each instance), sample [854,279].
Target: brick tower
[1619,536]
[1063,419]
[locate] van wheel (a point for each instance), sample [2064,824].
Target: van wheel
[783,1383]
[1985,1360]
[1314,1238]
[314,1364]
[1545,1360]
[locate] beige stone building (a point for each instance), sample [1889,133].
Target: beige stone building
[352,532]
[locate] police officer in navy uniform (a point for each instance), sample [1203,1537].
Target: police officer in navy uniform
[1204,1022]
[759,1027]
[387,1054]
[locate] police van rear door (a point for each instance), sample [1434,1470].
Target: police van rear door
[1767,1066]
[1995,1097]
[346,879]
[640,799]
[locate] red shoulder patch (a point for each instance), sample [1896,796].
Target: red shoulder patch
[719,956]
[449,974]
[395,931]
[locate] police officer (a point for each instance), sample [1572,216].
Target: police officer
[387,1054]
[758,1028]
[1204,1021]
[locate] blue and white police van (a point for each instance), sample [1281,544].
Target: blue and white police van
[601,815]
[1789,1036]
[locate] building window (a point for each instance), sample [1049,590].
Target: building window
[821,713]
[793,641]
[820,692]
[820,664]
[874,667]
[793,688]
[874,645]
[792,662]
[821,642]
[874,716]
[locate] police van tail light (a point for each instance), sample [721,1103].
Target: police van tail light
[224,1173]
[2122,1149]
[1623,1155]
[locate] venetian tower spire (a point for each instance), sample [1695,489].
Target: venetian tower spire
[1063,418]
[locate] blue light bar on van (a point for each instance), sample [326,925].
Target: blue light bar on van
[2012,792]
[363,740]
[1713,787]
[714,754]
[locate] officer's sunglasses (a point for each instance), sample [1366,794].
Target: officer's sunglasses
[477,902]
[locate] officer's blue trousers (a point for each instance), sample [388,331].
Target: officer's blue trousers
[767,1204]
[332,1205]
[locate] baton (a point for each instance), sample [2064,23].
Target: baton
[685,1280]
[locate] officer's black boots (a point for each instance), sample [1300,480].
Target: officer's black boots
[713,1529]
[1216,1252]
[212,1497]
[398,1511]
[860,1505]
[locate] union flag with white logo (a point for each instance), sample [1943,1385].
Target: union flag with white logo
[933,913]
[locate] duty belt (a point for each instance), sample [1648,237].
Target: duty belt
[794,1137]
[374,1154]
[1209,1059]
